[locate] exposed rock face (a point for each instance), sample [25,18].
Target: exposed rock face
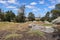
[41,28]
[56,21]
[50,32]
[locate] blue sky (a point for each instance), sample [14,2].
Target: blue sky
[38,7]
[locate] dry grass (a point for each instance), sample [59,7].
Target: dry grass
[19,31]
[16,26]
[13,36]
[36,32]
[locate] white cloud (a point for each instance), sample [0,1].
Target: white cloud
[29,6]
[58,1]
[45,9]
[41,2]
[36,9]
[3,2]
[11,7]
[33,3]
[11,1]
[15,9]
[52,1]
[53,6]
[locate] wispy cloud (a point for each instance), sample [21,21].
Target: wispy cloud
[58,1]
[41,2]
[36,9]
[52,1]
[10,7]
[11,1]
[52,7]
[7,2]
[3,2]
[45,10]
[15,9]
[29,6]
[33,3]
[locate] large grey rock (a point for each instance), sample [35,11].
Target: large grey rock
[36,27]
[43,29]
[57,20]
[49,30]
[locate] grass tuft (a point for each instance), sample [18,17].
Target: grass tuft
[36,33]
[13,36]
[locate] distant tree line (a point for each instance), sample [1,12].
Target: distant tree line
[53,14]
[20,17]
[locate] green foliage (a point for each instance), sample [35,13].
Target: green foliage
[31,16]
[57,6]
[20,17]
[9,16]
[1,15]
[42,19]
[36,33]
[55,14]
[46,17]
[47,14]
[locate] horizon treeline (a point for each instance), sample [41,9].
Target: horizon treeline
[53,14]
[20,17]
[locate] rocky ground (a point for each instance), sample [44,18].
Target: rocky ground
[18,35]
[17,31]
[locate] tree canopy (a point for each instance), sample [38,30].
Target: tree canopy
[31,16]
